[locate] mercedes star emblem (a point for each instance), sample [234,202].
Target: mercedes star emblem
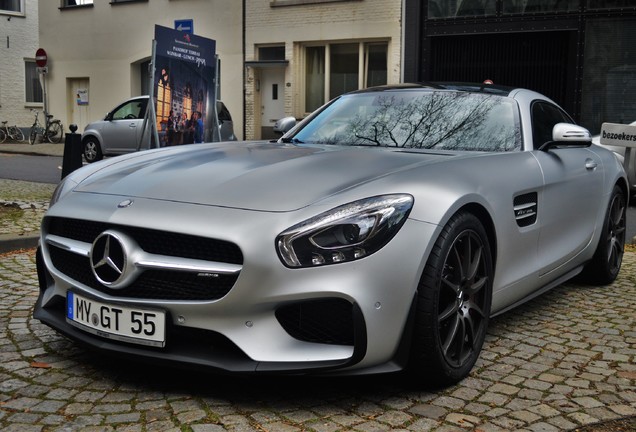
[108,258]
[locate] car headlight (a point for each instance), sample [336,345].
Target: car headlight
[346,233]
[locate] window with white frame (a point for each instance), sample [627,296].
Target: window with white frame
[126,1]
[334,69]
[71,3]
[16,6]
[279,3]
[32,87]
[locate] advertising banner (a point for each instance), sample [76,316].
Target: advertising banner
[184,87]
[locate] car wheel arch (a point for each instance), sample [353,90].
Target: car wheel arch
[486,219]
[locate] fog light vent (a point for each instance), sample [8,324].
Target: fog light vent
[326,321]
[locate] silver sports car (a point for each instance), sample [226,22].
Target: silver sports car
[379,234]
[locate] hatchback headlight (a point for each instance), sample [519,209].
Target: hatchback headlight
[346,233]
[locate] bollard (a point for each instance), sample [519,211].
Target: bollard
[72,151]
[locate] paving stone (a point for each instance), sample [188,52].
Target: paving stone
[583,418]
[429,411]
[49,407]
[394,418]
[123,418]
[423,425]
[525,416]
[542,427]
[207,428]
[463,420]
[188,417]
[371,426]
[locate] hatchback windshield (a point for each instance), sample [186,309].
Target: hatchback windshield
[443,120]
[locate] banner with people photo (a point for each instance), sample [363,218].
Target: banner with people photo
[184,87]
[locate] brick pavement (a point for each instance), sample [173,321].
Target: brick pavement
[565,360]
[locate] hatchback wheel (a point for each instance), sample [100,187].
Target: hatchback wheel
[92,151]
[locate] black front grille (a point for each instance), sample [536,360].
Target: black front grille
[327,321]
[152,241]
[151,284]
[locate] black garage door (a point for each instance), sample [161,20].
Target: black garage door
[541,61]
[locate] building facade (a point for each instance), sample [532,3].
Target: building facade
[20,89]
[581,53]
[301,53]
[99,51]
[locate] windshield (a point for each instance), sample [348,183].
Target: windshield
[442,120]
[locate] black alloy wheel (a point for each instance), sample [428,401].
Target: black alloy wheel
[608,258]
[454,299]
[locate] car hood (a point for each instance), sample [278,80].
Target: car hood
[257,176]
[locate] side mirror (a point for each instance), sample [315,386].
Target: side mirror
[282,126]
[568,135]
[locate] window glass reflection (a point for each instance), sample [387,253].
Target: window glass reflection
[537,6]
[11,5]
[610,4]
[424,120]
[458,8]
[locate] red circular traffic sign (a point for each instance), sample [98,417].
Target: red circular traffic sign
[40,57]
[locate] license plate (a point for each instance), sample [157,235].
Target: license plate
[118,322]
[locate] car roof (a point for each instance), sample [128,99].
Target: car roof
[457,86]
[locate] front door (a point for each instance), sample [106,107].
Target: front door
[122,129]
[79,98]
[272,99]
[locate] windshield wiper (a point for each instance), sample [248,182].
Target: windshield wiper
[292,141]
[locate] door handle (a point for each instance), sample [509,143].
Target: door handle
[132,125]
[590,164]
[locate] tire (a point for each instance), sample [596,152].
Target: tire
[54,134]
[92,150]
[16,133]
[3,136]
[453,303]
[33,135]
[608,257]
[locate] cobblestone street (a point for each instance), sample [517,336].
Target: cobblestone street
[560,362]
[565,360]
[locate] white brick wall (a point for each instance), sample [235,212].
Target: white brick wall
[18,41]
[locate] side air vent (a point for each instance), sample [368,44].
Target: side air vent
[525,207]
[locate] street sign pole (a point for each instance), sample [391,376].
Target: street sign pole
[40,60]
[149,124]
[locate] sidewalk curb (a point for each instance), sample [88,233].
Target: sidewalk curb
[27,153]
[12,242]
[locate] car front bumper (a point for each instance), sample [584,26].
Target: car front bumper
[350,316]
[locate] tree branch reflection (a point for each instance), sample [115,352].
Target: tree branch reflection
[431,120]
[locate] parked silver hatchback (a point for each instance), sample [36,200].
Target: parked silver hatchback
[121,130]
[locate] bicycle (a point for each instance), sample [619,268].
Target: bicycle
[13,132]
[52,131]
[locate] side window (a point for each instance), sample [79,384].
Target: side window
[544,117]
[223,113]
[129,111]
